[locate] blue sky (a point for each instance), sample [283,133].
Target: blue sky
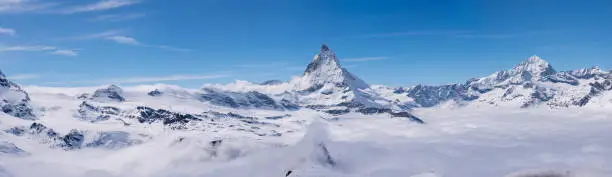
[189,43]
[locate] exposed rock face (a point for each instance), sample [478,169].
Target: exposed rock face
[331,84]
[14,100]
[272,82]
[110,93]
[251,99]
[155,92]
[73,140]
[93,113]
[532,82]
[150,115]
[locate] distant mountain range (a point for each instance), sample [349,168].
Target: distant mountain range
[327,87]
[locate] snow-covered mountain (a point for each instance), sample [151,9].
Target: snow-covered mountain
[533,82]
[200,126]
[14,100]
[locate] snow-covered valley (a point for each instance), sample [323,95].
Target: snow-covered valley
[527,121]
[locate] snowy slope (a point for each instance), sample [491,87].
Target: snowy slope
[13,100]
[527,121]
[532,83]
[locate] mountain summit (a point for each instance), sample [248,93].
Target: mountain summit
[326,82]
[535,66]
[326,69]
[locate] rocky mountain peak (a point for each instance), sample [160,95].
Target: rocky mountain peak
[326,60]
[535,66]
[110,93]
[326,69]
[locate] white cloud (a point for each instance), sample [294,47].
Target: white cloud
[118,17]
[20,6]
[124,40]
[101,6]
[100,35]
[119,36]
[7,31]
[38,48]
[26,48]
[64,52]
[23,76]
[364,59]
[144,79]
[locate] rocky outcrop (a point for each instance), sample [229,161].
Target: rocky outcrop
[110,93]
[251,99]
[14,101]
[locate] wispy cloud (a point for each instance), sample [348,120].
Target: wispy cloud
[22,6]
[100,6]
[59,7]
[65,52]
[415,33]
[100,35]
[487,36]
[24,76]
[132,80]
[38,48]
[32,48]
[7,31]
[120,37]
[118,17]
[124,40]
[364,59]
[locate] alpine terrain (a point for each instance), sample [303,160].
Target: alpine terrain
[530,120]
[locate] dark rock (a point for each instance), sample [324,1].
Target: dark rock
[111,93]
[563,77]
[251,99]
[73,140]
[16,131]
[93,113]
[18,103]
[337,111]
[155,92]
[271,82]
[83,96]
[409,116]
[428,96]
[216,143]
[277,117]
[289,105]
[372,110]
[150,115]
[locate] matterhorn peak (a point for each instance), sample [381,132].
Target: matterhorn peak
[324,48]
[535,58]
[326,59]
[326,68]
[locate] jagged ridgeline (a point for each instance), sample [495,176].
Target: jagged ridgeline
[261,109]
